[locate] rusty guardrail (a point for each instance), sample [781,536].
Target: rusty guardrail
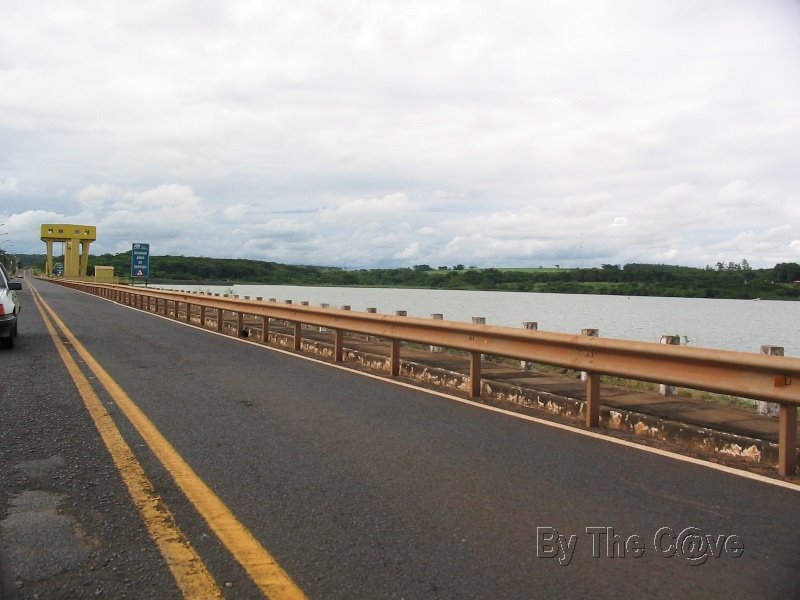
[761,377]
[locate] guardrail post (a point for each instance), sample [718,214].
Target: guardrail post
[220,320]
[203,309]
[526,365]
[787,440]
[475,374]
[592,417]
[239,323]
[394,358]
[298,340]
[338,345]
[265,330]
[479,321]
[592,399]
[436,317]
[671,340]
[286,323]
[188,312]
[769,409]
[590,333]
[371,310]
[321,328]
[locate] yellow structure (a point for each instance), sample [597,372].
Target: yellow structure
[104,274]
[73,236]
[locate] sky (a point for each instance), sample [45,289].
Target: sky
[375,133]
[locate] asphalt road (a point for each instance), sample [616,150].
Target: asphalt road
[358,487]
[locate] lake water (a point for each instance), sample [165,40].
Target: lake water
[743,325]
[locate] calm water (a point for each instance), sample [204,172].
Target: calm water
[731,324]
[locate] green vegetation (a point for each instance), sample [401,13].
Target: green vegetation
[734,280]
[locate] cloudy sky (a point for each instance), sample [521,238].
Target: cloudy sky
[366,133]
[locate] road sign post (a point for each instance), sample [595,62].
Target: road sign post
[140,261]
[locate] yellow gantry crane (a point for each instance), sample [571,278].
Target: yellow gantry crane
[74,237]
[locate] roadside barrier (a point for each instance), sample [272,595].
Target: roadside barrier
[749,375]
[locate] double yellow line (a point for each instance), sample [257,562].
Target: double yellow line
[188,569]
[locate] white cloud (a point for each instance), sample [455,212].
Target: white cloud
[497,132]
[8,184]
[410,252]
[391,205]
[94,197]
[667,255]
[18,223]
[235,212]
[618,223]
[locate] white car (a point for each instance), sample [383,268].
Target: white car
[9,308]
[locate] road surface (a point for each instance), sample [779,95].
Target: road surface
[351,486]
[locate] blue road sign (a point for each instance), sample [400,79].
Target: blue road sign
[140,260]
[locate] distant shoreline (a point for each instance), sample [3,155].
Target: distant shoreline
[735,281]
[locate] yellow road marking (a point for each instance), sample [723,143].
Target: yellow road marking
[259,564]
[187,567]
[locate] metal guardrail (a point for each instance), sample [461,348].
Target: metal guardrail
[744,374]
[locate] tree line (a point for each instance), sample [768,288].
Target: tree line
[731,280]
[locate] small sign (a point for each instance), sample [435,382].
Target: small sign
[140,260]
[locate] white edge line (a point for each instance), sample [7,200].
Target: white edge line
[584,432]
